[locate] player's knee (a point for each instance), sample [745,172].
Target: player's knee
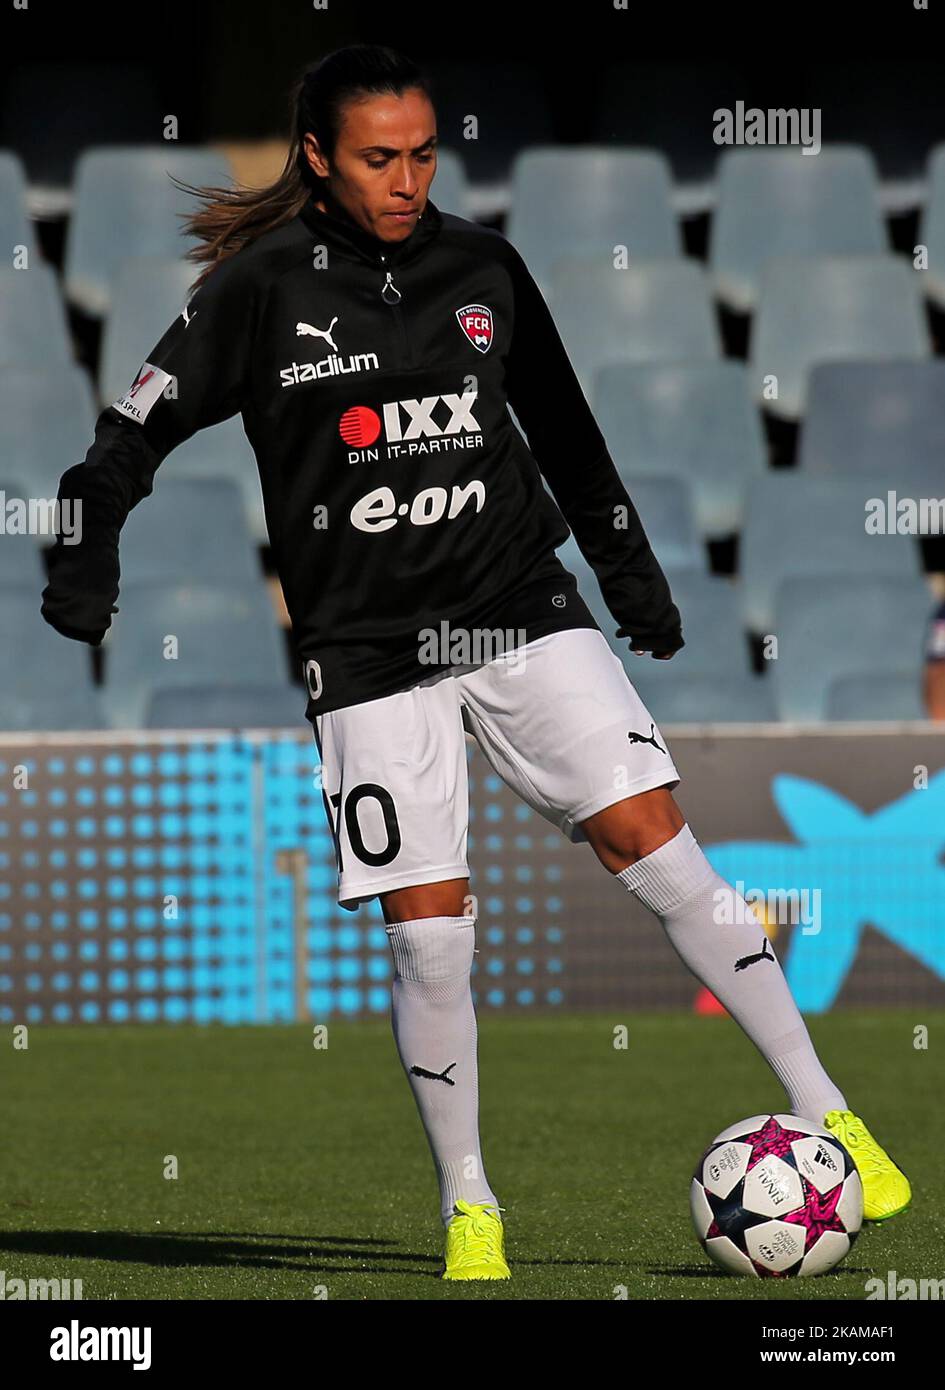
[675,878]
[645,844]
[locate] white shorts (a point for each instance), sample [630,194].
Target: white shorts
[557,719]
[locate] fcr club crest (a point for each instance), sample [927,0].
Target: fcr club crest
[476,322]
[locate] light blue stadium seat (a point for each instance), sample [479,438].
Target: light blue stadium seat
[586,201]
[100,102]
[21,560]
[149,293]
[33,331]
[882,105]
[509,100]
[876,694]
[878,418]
[797,524]
[147,296]
[124,198]
[694,699]
[716,644]
[657,311]
[223,451]
[694,420]
[831,308]
[40,443]
[665,508]
[668,106]
[190,530]
[932,227]
[781,202]
[838,625]
[450,188]
[271,706]
[57,711]
[225,636]
[46,680]
[15,228]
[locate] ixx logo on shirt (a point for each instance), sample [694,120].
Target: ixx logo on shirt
[430,424]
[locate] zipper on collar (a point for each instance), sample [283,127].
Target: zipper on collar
[392,296]
[389,285]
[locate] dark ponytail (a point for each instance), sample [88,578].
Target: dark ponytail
[233,217]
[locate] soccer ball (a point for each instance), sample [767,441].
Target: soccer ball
[776,1196]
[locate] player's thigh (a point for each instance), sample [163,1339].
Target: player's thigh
[632,828]
[394,785]
[447,899]
[561,723]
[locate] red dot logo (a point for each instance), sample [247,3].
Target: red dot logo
[359,427]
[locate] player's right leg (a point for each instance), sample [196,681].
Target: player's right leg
[434,1025]
[395,787]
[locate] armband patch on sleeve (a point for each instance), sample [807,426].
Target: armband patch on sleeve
[144,391]
[935,647]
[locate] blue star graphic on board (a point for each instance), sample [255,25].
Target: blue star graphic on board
[884,869]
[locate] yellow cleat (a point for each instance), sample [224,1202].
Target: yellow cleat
[886,1190]
[475,1243]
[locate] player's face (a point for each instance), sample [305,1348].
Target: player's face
[385,159]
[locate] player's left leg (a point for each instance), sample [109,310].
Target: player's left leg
[645,842]
[564,727]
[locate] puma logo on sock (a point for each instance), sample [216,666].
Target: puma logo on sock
[763,954]
[435,1075]
[641,738]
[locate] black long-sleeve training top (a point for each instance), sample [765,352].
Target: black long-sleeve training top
[374,380]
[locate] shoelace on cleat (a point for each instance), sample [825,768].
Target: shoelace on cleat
[479,1236]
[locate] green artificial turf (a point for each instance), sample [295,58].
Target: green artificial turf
[305,1172]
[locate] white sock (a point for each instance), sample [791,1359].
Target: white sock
[434,1027]
[679,885]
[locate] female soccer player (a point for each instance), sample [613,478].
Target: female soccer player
[373,346]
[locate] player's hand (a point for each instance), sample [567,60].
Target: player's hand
[94,637]
[657,656]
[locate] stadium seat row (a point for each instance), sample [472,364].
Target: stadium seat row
[200,637]
[771,203]
[180,655]
[811,311]
[690,427]
[682,423]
